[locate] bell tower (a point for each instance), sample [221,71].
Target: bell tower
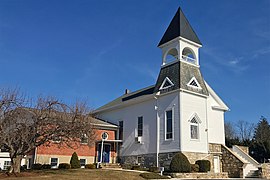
[180,67]
[180,42]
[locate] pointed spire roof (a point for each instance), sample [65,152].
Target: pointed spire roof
[179,26]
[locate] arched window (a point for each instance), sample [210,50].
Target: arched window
[171,55]
[194,127]
[188,55]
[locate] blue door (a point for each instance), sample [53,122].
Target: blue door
[105,153]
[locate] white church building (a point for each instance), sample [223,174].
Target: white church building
[179,113]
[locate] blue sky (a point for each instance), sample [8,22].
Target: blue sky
[94,50]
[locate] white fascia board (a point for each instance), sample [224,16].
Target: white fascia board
[222,105]
[180,38]
[190,42]
[191,92]
[105,125]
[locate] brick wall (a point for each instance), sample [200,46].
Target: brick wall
[46,151]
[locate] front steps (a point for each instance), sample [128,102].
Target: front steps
[253,174]
[110,166]
[250,169]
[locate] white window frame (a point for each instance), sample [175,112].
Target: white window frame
[165,120]
[53,167]
[195,124]
[85,162]
[84,136]
[194,79]
[163,83]
[6,165]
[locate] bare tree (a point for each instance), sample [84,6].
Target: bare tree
[23,126]
[230,132]
[245,130]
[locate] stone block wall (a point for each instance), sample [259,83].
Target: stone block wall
[148,160]
[200,175]
[231,164]
[145,160]
[265,171]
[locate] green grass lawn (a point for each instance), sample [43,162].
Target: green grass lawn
[76,174]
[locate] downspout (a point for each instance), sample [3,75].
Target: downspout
[35,156]
[207,128]
[180,120]
[158,129]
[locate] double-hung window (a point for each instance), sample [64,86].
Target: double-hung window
[7,164]
[169,124]
[140,126]
[54,162]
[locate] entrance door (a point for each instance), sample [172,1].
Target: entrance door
[216,164]
[105,154]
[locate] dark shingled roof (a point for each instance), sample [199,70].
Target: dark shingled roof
[171,71]
[180,73]
[179,26]
[126,97]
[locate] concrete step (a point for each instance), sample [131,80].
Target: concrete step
[253,174]
[110,165]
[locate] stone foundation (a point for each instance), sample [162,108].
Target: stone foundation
[199,175]
[145,160]
[231,164]
[148,160]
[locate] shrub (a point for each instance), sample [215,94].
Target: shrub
[64,166]
[46,166]
[180,163]
[153,176]
[126,166]
[74,161]
[23,168]
[204,165]
[136,167]
[154,169]
[36,166]
[194,168]
[90,166]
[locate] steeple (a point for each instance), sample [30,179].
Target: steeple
[179,27]
[180,67]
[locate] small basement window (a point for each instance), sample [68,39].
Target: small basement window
[54,162]
[82,163]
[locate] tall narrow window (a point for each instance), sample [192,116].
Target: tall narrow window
[121,124]
[169,124]
[140,126]
[194,128]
